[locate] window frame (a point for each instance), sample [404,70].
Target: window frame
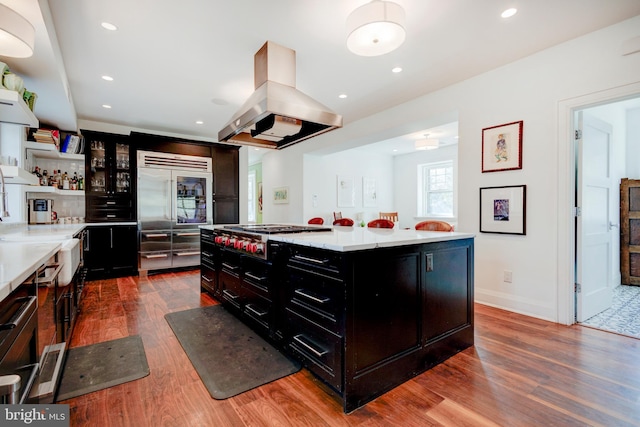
[423,188]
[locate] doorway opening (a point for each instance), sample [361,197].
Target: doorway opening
[606,151]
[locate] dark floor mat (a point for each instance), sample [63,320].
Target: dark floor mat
[99,366]
[229,357]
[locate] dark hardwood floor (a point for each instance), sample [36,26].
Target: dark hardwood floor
[521,372]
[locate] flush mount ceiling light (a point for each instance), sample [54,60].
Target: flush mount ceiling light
[375,28]
[427,143]
[17,35]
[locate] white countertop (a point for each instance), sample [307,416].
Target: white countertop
[18,260]
[345,239]
[40,233]
[24,248]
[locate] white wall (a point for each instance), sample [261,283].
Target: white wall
[633,143]
[531,90]
[320,181]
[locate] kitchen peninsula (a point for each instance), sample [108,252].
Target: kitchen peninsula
[363,309]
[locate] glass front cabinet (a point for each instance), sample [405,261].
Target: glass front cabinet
[108,179]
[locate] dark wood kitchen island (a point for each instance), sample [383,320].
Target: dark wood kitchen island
[363,309]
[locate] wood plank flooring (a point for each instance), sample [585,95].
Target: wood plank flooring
[521,372]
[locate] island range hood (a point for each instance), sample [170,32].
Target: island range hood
[277,115]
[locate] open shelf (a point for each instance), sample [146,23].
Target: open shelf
[13,109]
[50,151]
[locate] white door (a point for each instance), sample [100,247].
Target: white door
[594,224]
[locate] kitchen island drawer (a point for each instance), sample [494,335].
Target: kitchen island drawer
[318,298]
[186,239]
[319,350]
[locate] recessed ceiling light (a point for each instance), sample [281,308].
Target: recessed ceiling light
[342,96]
[107,78]
[256,149]
[109,26]
[199,122]
[509,12]
[396,70]
[107,106]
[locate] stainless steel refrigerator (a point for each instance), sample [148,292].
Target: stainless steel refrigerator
[175,195]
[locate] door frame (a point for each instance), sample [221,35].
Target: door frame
[566,305]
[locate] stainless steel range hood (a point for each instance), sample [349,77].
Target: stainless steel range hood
[277,115]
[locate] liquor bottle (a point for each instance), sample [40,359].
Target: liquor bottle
[80,183]
[45,178]
[65,181]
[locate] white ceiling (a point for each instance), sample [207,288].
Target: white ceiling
[174,63]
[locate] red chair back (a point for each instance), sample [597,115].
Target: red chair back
[316,220]
[343,221]
[380,223]
[434,226]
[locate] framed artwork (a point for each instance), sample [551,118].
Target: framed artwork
[346,192]
[369,196]
[503,209]
[281,195]
[502,147]
[259,197]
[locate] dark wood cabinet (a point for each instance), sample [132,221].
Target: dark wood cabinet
[226,185]
[111,251]
[108,183]
[362,322]
[630,231]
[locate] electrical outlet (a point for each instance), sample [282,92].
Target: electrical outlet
[508,276]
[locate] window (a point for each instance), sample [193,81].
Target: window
[437,189]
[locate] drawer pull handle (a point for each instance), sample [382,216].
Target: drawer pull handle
[298,339]
[111,203]
[320,300]
[18,317]
[254,311]
[188,234]
[309,259]
[229,294]
[254,277]
[155,256]
[152,236]
[187,253]
[229,266]
[207,254]
[206,279]
[111,216]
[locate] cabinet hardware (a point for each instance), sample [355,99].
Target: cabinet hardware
[206,279]
[298,339]
[156,235]
[308,259]
[429,262]
[320,300]
[229,266]
[229,294]
[187,234]
[254,311]
[254,277]
[187,253]
[155,256]
[18,317]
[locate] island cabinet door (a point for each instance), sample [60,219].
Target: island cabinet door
[448,298]
[385,308]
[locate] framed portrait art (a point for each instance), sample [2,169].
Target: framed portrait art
[502,147]
[503,209]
